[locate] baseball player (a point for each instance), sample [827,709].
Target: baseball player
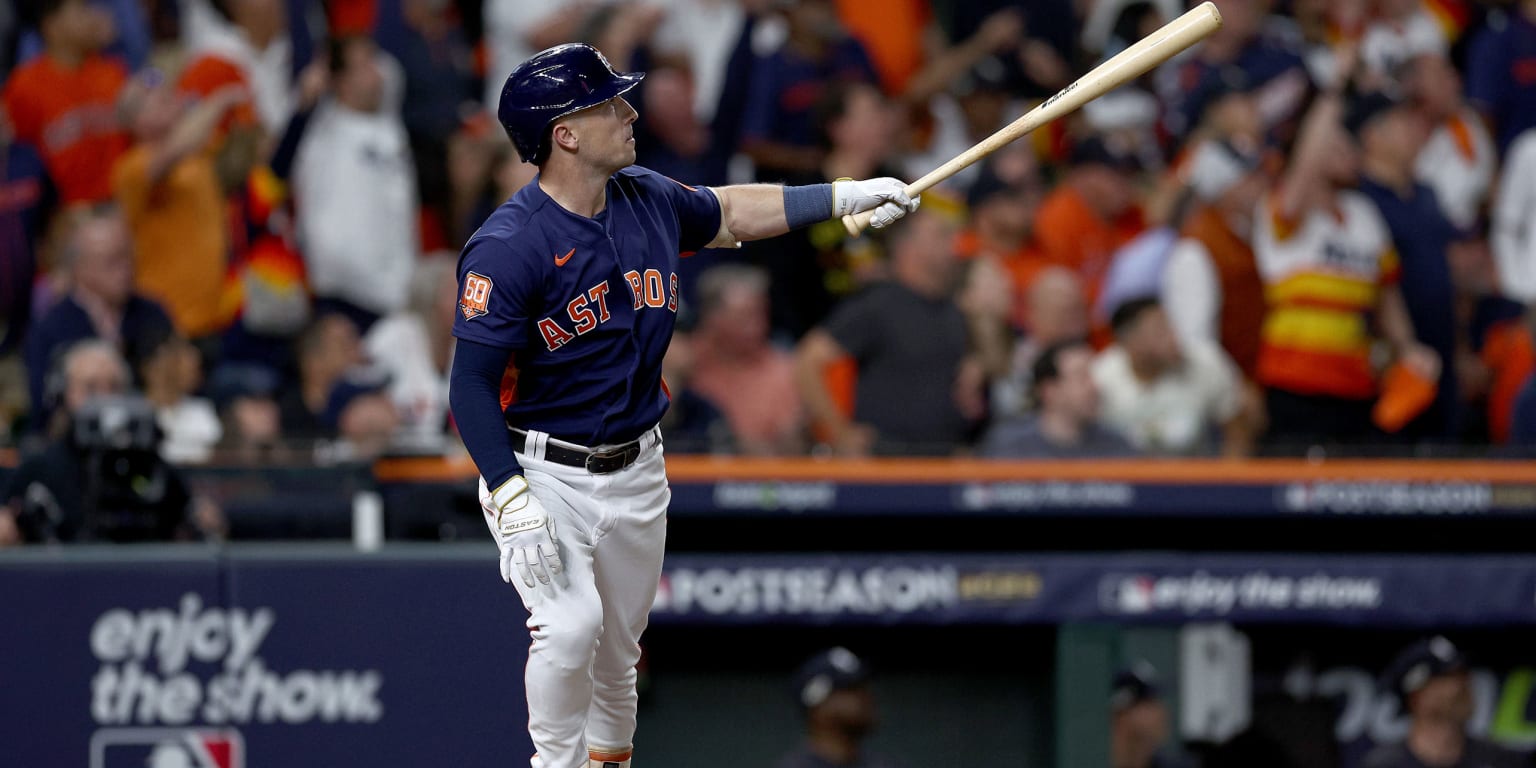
[568,297]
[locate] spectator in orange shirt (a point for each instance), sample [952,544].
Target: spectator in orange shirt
[739,370]
[171,197]
[1092,213]
[63,102]
[1001,230]
[248,42]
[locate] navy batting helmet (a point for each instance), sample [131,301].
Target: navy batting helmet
[554,83]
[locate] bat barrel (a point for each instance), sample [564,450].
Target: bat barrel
[1133,62]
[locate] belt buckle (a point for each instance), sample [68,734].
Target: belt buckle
[626,456]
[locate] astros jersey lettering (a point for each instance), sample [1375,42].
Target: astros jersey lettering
[587,305]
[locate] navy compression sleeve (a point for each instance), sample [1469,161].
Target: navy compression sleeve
[474,394]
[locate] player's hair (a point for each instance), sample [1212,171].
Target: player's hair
[1130,311]
[1047,366]
[714,283]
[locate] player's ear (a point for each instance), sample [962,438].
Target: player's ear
[563,135]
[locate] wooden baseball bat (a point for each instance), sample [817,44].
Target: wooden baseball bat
[1131,63]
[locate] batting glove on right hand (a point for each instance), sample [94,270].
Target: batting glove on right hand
[887,196]
[527,541]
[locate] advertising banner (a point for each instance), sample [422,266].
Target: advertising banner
[223,663]
[1022,589]
[317,656]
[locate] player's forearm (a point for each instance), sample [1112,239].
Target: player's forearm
[755,211]
[474,395]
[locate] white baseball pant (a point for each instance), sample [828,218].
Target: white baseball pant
[586,623]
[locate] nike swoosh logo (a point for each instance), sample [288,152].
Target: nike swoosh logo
[561,260]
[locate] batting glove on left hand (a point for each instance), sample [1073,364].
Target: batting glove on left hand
[528,542]
[887,196]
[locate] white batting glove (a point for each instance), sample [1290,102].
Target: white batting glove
[527,541]
[887,196]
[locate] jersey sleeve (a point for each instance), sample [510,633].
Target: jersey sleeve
[499,295]
[697,209]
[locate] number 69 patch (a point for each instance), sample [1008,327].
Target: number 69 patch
[477,291]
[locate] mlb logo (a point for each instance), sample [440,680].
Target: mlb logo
[1125,593]
[167,748]
[477,291]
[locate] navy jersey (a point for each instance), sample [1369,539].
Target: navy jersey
[587,305]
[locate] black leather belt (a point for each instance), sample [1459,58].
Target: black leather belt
[596,462]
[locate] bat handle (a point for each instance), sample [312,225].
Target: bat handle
[856,222]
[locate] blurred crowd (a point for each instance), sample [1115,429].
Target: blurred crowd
[1311,230]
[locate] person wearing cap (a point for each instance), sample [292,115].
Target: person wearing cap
[1391,135]
[1084,220]
[779,131]
[1138,721]
[360,414]
[1433,683]
[1210,285]
[832,689]
[1267,58]
[1001,228]
[1327,262]
[245,396]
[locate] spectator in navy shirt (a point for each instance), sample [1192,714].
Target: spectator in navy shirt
[1391,135]
[780,132]
[1243,49]
[25,196]
[1501,71]
[98,254]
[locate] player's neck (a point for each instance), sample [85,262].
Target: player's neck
[577,188]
